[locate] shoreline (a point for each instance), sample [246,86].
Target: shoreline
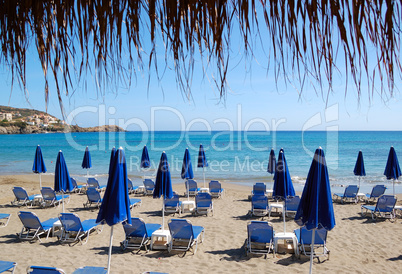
[137,180]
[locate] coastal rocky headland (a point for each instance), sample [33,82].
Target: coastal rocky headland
[28,121]
[65,128]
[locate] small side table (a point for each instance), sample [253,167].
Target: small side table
[187,206]
[275,205]
[56,225]
[38,199]
[160,239]
[286,236]
[269,192]
[398,207]
[203,189]
[360,196]
[141,189]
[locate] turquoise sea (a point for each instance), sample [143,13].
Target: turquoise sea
[237,157]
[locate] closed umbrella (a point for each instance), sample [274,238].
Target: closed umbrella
[392,169]
[271,162]
[112,154]
[86,161]
[283,186]
[145,163]
[115,207]
[315,209]
[359,166]
[187,169]
[202,160]
[62,180]
[39,164]
[163,184]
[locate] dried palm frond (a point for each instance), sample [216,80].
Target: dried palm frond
[110,39]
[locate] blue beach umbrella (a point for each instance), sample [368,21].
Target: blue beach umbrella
[145,163]
[187,169]
[62,180]
[39,164]
[112,154]
[392,169]
[271,162]
[359,166]
[283,186]
[115,207]
[86,161]
[202,160]
[315,209]
[145,158]
[163,184]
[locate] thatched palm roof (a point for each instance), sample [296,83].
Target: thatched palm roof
[113,39]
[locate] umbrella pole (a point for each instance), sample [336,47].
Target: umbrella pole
[87,172]
[203,172]
[312,251]
[284,220]
[110,250]
[359,182]
[188,191]
[393,186]
[40,180]
[62,200]
[163,213]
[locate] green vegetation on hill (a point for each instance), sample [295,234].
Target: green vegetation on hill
[24,112]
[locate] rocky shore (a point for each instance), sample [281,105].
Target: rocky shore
[35,129]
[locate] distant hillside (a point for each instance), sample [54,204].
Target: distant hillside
[24,112]
[26,121]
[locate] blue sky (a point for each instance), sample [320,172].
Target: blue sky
[254,102]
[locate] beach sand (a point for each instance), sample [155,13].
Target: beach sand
[357,244]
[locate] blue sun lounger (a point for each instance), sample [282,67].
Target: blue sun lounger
[4,219]
[22,198]
[173,205]
[191,187]
[184,235]
[304,238]
[149,187]
[138,234]
[90,270]
[34,269]
[94,197]
[135,202]
[50,198]
[350,193]
[74,230]
[384,207]
[92,182]
[131,188]
[32,227]
[259,205]
[260,238]
[7,266]
[215,188]
[76,187]
[376,192]
[259,189]
[291,205]
[203,204]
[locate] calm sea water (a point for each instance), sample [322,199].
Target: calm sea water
[238,157]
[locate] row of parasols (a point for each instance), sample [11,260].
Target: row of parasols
[187,171]
[392,171]
[115,207]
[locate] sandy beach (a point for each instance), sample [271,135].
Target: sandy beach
[357,244]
